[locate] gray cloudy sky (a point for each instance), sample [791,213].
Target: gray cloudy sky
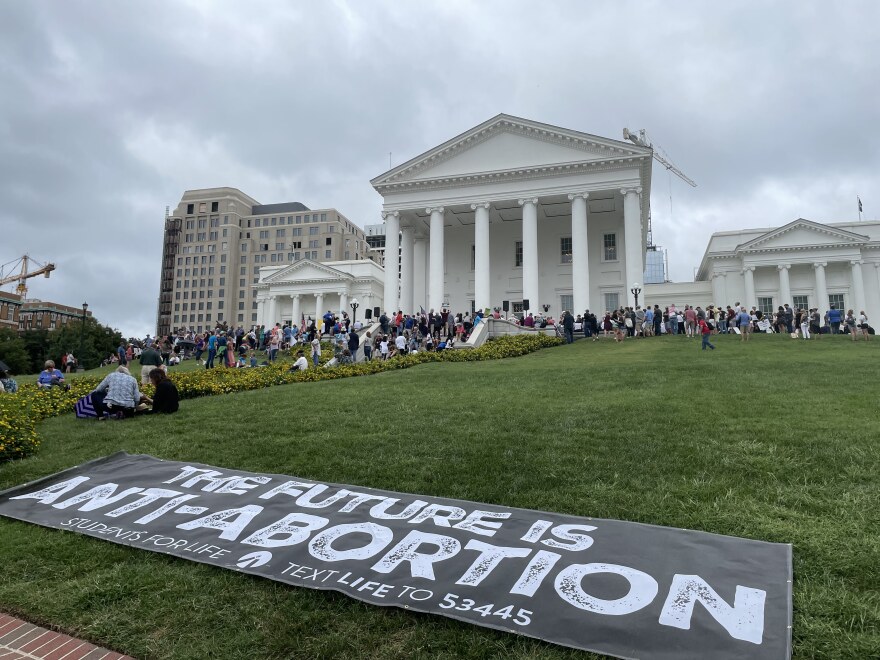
[109,110]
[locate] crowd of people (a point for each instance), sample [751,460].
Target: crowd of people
[235,348]
[691,322]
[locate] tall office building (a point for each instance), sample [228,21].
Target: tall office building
[216,241]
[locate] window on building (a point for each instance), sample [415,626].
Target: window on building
[612,300]
[800,302]
[473,257]
[221,292]
[203,222]
[297,231]
[203,207]
[314,230]
[244,247]
[296,245]
[215,222]
[328,254]
[298,219]
[264,247]
[190,209]
[279,246]
[215,207]
[837,300]
[765,304]
[314,254]
[518,254]
[609,244]
[566,301]
[212,236]
[328,240]
[241,294]
[323,217]
[313,244]
[190,224]
[565,252]
[264,233]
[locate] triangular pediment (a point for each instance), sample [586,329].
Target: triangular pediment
[802,234]
[506,143]
[306,269]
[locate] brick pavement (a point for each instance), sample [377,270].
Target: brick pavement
[20,640]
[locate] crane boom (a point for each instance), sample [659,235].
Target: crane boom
[642,140]
[22,277]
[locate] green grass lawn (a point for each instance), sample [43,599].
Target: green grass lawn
[775,439]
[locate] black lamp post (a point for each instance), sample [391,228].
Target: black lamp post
[82,330]
[636,290]
[354,310]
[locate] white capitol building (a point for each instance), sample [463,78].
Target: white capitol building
[537,215]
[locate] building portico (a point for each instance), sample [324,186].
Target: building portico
[309,289]
[516,211]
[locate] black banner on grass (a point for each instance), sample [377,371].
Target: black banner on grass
[626,589]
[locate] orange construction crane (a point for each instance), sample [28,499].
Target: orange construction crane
[23,275]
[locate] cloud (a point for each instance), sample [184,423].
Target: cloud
[111,110]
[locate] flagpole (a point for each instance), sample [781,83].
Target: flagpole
[859,203]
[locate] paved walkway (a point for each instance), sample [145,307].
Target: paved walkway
[20,640]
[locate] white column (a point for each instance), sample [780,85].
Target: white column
[632,236]
[270,321]
[482,272]
[435,273]
[749,276]
[821,287]
[858,285]
[319,308]
[530,252]
[580,263]
[420,266]
[261,311]
[343,302]
[392,246]
[296,313]
[784,285]
[717,298]
[407,247]
[722,277]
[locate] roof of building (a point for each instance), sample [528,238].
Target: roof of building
[284,207]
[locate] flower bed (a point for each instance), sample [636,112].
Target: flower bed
[20,412]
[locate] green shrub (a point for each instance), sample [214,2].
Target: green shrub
[22,411]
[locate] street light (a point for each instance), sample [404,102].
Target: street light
[636,290]
[82,329]
[354,310]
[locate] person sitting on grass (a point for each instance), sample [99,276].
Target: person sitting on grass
[51,377]
[301,363]
[122,398]
[7,383]
[165,399]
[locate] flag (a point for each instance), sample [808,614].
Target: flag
[860,203]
